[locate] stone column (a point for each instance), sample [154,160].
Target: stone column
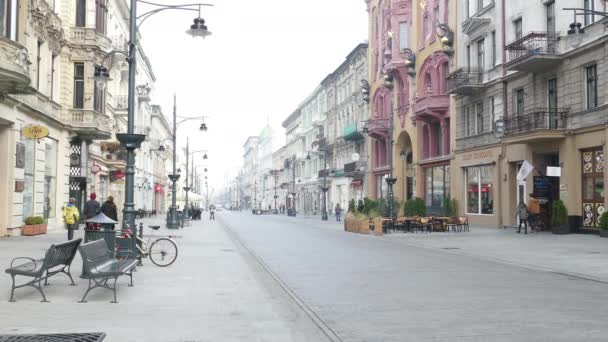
[445,135]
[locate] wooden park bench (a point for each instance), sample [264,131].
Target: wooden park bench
[100,266]
[58,259]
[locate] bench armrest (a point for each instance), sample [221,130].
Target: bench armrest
[27,258]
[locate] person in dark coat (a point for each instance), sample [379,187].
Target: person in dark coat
[109,209]
[91,209]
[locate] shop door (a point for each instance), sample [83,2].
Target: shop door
[520,190]
[593,186]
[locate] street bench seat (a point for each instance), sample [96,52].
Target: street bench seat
[100,266]
[58,259]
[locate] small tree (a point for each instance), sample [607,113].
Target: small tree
[604,221]
[414,207]
[449,207]
[559,213]
[351,206]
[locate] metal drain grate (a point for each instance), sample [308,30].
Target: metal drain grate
[450,248]
[84,337]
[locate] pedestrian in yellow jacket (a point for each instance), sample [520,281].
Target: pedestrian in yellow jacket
[71,216]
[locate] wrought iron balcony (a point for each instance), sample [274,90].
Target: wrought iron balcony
[544,119]
[465,81]
[534,52]
[14,67]
[352,132]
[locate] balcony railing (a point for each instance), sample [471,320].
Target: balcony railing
[537,119]
[378,127]
[120,102]
[464,80]
[90,37]
[352,132]
[531,45]
[89,123]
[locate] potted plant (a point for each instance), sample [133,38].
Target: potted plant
[414,207]
[604,224]
[34,225]
[559,218]
[449,207]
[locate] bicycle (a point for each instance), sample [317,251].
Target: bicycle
[162,251]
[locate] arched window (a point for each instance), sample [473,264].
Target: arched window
[428,85]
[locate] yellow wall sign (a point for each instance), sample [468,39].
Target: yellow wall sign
[35,132]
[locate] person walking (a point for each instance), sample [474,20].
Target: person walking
[91,208]
[71,217]
[338,211]
[522,212]
[212,212]
[109,209]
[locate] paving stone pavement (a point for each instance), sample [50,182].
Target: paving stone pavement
[214,292]
[573,254]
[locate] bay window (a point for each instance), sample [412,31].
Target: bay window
[9,18]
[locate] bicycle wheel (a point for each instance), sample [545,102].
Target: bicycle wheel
[163,252]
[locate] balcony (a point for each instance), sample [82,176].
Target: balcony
[14,67]
[354,168]
[119,102]
[88,124]
[465,81]
[534,52]
[540,124]
[378,128]
[433,107]
[352,132]
[41,104]
[87,36]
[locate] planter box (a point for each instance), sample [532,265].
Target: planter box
[355,225]
[378,227]
[33,229]
[604,233]
[561,229]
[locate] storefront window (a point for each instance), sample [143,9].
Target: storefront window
[593,186]
[28,179]
[437,187]
[50,177]
[479,190]
[103,188]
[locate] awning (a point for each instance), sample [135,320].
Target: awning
[356,183]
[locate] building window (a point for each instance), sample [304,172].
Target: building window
[99,101]
[481,55]
[467,121]
[589,18]
[38,60]
[479,5]
[518,28]
[81,13]
[403,35]
[479,119]
[53,65]
[438,139]
[101,16]
[50,177]
[437,187]
[519,101]
[28,178]
[436,17]
[492,112]
[479,195]
[468,57]
[425,28]
[79,85]
[591,86]
[494,57]
[466,9]
[9,18]
[551,17]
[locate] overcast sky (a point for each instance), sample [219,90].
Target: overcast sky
[263,59]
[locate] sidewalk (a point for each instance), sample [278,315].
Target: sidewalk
[574,254]
[213,292]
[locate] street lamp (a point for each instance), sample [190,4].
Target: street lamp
[292,164]
[576,31]
[188,154]
[131,141]
[324,215]
[275,173]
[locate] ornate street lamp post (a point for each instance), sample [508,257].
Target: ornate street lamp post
[130,140]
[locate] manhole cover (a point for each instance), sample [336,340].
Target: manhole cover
[593,252]
[227,250]
[450,248]
[84,337]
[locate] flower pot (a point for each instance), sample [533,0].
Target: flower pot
[42,228]
[604,233]
[30,230]
[561,229]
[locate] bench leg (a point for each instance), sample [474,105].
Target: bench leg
[131,277]
[69,275]
[86,293]
[39,288]
[12,298]
[115,301]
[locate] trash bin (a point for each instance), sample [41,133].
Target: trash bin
[105,232]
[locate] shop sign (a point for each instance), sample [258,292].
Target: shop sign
[525,170]
[554,171]
[34,132]
[477,155]
[95,168]
[117,177]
